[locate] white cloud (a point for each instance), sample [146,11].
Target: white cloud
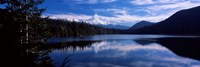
[89,1]
[177,6]
[137,18]
[158,12]
[118,11]
[113,11]
[167,6]
[150,2]
[108,1]
[92,1]
[168,1]
[142,2]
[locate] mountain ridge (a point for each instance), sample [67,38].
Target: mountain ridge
[140,25]
[184,22]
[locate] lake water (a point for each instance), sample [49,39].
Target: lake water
[126,51]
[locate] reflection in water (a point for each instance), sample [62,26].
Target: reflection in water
[131,52]
[144,42]
[37,55]
[71,46]
[109,53]
[188,47]
[34,55]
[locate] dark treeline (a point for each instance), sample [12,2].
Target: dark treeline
[63,28]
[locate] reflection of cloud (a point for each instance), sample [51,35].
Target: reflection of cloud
[153,64]
[139,63]
[100,46]
[128,53]
[195,66]
[137,47]
[125,48]
[92,64]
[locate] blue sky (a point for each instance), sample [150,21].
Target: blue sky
[126,12]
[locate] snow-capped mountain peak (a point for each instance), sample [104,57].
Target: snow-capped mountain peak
[96,19]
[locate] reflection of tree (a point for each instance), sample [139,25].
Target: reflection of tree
[74,45]
[65,61]
[188,47]
[37,55]
[33,56]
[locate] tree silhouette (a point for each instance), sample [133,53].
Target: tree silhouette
[17,17]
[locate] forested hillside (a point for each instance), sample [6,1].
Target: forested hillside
[63,28]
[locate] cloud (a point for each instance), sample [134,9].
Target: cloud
[142,2]
[166,8]
[118,11]
[137,18]
[177,6]
[166,5]
[92,1]
[89,1]
[150,2]
[95,64]
[113,11]
[108,1]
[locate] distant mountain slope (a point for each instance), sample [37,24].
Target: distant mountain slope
[114,26]
[184,22]
[140,25]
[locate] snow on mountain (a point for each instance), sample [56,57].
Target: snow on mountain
[96,19]
[101,21]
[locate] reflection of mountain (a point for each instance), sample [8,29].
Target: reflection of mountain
[143,42]
[186,47]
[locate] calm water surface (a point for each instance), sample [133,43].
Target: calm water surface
[126,51]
